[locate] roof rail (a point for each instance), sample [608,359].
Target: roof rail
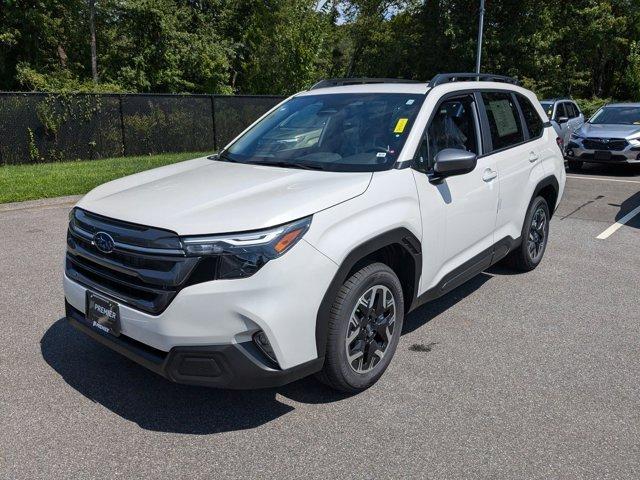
[339,82]
[442,78]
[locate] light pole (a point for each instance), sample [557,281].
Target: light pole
[480,28]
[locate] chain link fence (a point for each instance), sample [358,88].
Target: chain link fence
[39,127]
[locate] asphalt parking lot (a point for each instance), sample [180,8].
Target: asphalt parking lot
[510,376]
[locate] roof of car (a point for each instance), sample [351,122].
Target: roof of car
[553,100]
[398,85]
[628,104]
[408,88]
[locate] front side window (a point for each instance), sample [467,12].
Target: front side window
[504,120]
[617,116]
[452,126]
[339,132]
[531,117]
[560,112]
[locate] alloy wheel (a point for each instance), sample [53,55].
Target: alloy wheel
[371,328]
[537,234]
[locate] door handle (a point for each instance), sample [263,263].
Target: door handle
[533,157]
[489,175]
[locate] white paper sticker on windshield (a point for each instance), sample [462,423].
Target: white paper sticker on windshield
[504,118]
[410,101]
[381,154]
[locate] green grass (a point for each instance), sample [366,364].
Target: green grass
[45,180]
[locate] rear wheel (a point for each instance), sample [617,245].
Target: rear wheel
[364,329]
[535,234]
[574,164]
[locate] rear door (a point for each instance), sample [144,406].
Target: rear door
[576,119]
[515,155]
[561,117]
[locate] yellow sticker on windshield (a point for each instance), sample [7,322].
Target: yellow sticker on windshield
[402,122]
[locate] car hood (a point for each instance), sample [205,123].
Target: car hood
[609,130]
[205,196]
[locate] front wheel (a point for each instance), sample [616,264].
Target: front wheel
[535,234]
[365,324]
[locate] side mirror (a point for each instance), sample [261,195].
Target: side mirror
[453,161]
[563,119]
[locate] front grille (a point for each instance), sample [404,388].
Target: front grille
[612,144]
[146,269]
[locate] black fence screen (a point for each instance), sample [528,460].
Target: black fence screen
[38,127]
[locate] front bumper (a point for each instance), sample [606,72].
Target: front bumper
[575,150]
[282,300]
[233,366]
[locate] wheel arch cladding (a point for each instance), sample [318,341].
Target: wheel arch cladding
[548,188]
[399,249]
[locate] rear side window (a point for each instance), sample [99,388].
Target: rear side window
[574,110]
[504,120]
[531,118]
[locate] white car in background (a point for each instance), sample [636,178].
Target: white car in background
[565,115]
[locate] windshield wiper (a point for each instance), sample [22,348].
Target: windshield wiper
[225,157]
[283,164]
[222,156]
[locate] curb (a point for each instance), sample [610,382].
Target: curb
[41,203]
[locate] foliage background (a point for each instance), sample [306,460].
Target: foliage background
[583,48]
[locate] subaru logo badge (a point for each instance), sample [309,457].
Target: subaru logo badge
[104,242]
[605,140]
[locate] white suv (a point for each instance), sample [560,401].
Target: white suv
[302,245]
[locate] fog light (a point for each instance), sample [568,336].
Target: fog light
[261,340]
[570,152]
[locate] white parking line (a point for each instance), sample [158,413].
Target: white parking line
[582,177]
[613,228]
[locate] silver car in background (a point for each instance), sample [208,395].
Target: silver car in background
[565,115]
[612,136]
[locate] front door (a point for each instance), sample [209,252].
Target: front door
[468,201]
[561,117]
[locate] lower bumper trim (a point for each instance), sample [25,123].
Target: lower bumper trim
[233,366]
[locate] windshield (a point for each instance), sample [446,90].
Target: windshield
[617,116]
[339,132]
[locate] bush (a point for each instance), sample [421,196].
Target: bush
[590,105]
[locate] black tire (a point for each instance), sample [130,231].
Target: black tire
[574,164]
[337,372]
[523,258]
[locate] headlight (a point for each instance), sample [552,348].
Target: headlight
[243,254]
[576,136]
[635,142]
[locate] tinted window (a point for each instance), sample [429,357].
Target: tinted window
[504,121]
[452,126]
[531,117]
[572,110]
[340,132]
[576,109]
[560,112]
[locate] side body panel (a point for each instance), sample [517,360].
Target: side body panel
[389,203]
